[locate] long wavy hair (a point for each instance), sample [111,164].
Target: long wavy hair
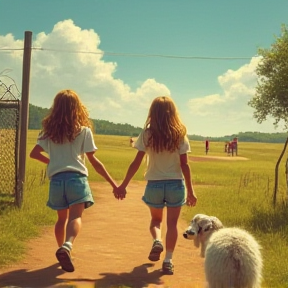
[66,117]
[166,130]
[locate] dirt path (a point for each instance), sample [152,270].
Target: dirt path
[110,251]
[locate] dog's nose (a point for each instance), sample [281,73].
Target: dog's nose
[185,235]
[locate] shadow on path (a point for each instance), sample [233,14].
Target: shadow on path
[111,251]
[139,277]
[34,278]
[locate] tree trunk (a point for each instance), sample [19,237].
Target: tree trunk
[276,173]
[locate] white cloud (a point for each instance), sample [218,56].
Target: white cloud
[228,112]
[55,65]
[238,87]
[245,75]
[203,106]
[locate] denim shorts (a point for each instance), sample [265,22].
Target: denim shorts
[161,193]
[68,188]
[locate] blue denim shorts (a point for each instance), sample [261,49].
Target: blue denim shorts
[161,193]
[68,188]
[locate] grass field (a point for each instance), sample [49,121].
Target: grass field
[238,192]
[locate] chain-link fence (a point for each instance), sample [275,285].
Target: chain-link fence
[9,140]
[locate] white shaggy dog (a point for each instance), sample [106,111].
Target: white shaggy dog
[232,255]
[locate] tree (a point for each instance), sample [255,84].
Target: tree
[271,97]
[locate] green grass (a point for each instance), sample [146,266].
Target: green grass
[239,193]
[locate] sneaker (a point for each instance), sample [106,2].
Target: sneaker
[168,268]
[64,258]
[156,250]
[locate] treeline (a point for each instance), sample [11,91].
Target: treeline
[246,137]
[36,114]
[108,128]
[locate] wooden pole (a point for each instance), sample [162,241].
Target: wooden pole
[276,173]
[24,115]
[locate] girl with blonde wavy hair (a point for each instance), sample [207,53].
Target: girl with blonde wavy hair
[65,139]
[168,176]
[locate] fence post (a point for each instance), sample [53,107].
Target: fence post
[24,115]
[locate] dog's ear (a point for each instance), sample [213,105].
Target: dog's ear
[206,226]
[216,223]
[210,223]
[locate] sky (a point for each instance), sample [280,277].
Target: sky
[120,55]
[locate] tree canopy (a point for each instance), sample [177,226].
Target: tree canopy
[271,96]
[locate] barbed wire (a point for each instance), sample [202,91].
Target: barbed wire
[8,87]
[107,53]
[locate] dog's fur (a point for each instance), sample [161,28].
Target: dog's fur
[232,255]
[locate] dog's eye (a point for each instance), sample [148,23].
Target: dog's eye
[199,230]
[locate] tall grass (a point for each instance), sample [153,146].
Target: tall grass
[238,192]
[19,225]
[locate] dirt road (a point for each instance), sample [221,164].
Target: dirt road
[110,251]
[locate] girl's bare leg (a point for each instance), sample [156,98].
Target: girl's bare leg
[172,231]
[60,226]
[74,222]
[155,224]
[63,254]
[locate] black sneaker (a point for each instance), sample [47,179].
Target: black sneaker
[64,258]
[156,250]
[168,268]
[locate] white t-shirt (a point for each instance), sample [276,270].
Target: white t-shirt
[69,156]
[163,165]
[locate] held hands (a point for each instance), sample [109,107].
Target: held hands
[119,193]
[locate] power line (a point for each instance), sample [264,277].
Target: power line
[10,49]
[107,53]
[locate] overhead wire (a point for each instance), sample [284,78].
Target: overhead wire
[107,53]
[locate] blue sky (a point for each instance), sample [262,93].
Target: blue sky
[125,53]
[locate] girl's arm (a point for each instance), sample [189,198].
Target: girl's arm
[100,169]
[191,197]
[36,153]
[134,166]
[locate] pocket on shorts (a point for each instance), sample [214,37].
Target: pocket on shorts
[56,195]
[77,190]
[55,184]
[154,194]
[175,193]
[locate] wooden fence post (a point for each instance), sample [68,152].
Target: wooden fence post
[24,115]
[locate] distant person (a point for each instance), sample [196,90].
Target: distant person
[66,137]
[206,146]
[230,148]
[165,142]
[226,147]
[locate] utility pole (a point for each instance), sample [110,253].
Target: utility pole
[24,115]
